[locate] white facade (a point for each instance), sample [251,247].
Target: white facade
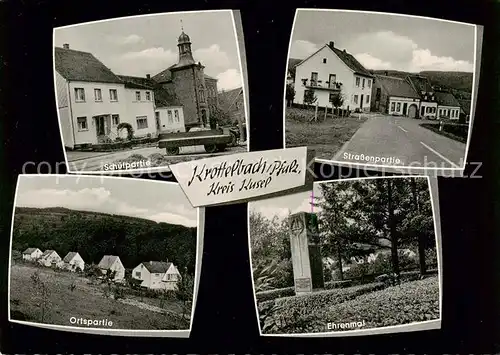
[428,109]
[157,281]
[116,267]
[170,119]
[140,111]
[50,259]
[326,67]
[401,105]
[450,112]
[88,110]
[32,255]
[75,263]
[171,277]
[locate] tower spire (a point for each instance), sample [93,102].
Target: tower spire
[182,27]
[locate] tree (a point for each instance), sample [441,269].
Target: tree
[271,255]
[220,116]
[184,292]
[378,214]
[290,94]
[309,97]
[337,99]
[41,292]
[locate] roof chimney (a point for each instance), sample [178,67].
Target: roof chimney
[66,46]
[148,76]
[331,44]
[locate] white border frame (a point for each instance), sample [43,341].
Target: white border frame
[408,327]
[174,333]
[405,168]
[244,85]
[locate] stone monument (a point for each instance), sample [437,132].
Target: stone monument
[306,253]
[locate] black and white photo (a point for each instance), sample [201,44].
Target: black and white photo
[382,90]
[144,92]
[108,254]
[353,256]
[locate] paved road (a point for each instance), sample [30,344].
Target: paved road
[93,161]
[403,139]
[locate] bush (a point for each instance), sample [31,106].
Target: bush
[338,284]
[281,315]
[410,302]
[273,294]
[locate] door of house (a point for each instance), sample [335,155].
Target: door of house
[157,118]
[422,111]
[412,111]
[100,126]
[405,106]
[361,102]
[204,117]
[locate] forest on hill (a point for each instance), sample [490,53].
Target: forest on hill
[94,235]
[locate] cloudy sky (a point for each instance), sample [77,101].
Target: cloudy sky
[148,44]
[386,41]
[157,201]
[281,206]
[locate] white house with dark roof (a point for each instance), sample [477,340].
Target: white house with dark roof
[31,254]
[157,275]
[448,106]
[112,263]
[422,86]
[394,96]
[50,258]
[92,100]
[330,71]
[73,262]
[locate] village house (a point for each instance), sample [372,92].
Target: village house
[448,106]
[112,263]
[73,262]
[330,72]
[187,81]
[31,254]
[394,96]
[92,100]
[157,275]
[168,111]
[465,109]
[50,258]
[423,87]
[232,102]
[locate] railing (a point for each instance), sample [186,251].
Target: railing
[321,85]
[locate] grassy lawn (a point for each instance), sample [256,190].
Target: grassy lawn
[326,137]
[86,301]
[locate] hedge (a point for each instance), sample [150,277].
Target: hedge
[279,314]
[276,293]
[410,302]
[290,291]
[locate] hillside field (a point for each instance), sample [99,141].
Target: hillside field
[85,300]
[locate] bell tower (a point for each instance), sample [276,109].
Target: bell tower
[185,53]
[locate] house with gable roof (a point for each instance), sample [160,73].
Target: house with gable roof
[330,71]
[73,262]
[157,275]
[448,106]
[423,87]
[112,263]
[32,254]
[92,100]
[50,258]
[394,96]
